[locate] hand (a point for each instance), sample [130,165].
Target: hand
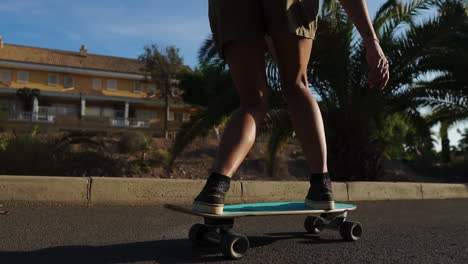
[378,65]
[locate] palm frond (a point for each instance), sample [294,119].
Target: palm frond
[384,14]
[207,54]
[201,123]
[402,13]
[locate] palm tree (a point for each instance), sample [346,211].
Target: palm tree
[28,95]
[447,94]
[207,54]
[354,113]
[463,144]
[211,87]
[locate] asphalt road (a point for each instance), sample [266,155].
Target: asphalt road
[431,231]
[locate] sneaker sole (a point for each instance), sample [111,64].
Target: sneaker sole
[216,209]
[320,205]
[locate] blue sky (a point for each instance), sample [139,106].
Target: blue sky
[113,27]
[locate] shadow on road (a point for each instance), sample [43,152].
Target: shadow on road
[311,239]
[162,251]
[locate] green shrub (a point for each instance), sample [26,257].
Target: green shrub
[26,155]
[131,142]
[5,141]
[161,158]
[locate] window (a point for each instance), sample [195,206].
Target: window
[112,85]
[5,75]
[66,109]
[23,77]
[137,87]
[185,117]
[151,89]
[97,84]
[4,106]
[107,112]
[68,81]
[171,116]
[53,79]
[93,111]
[145,114]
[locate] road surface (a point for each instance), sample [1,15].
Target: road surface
[424,231]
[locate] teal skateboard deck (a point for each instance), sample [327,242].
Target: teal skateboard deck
[218,228]
[259,209]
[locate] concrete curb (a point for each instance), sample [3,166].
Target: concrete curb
[144,191]
[270,191]
[444,191]
[362,191]
[67,190]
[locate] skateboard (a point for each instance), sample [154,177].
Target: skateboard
[217,229]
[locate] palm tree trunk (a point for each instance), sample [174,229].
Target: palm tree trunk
[445,142]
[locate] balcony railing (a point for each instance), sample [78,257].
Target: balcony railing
[129,122]
[32,117]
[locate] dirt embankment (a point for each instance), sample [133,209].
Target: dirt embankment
[134,155]
[197,160]
[290,165]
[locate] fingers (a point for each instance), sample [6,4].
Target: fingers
[384,67]
[384,82]
[381,63]
[378,76]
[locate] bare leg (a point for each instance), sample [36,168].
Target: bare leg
[246,62]
[292,54]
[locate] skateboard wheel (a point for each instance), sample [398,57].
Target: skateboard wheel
[313,224]
[196,233]
[350,231]
[234,246]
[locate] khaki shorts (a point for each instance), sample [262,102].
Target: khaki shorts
[237,19]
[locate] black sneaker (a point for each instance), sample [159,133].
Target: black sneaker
[320,194]
[211,198]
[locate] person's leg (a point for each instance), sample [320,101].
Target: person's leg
[247,66]
[246,62]
[292,54]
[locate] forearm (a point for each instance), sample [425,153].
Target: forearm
[359,15]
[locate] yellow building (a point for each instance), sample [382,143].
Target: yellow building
[82,91]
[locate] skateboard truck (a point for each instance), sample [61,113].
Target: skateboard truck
[219,231]
[234,246]
[349,231]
